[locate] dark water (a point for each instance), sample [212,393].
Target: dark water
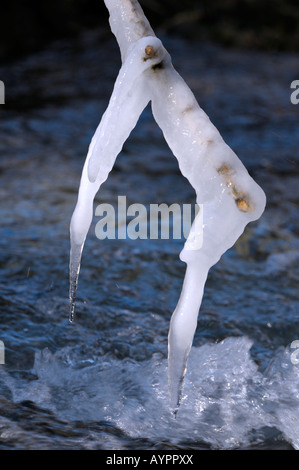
[101,383]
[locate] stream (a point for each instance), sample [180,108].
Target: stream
[101,383]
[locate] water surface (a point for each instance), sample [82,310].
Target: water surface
[102,382]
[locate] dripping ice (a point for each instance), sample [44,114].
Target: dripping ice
[231,198]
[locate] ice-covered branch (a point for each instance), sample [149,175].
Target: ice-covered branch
[129,98]
[230,196]
[128,23]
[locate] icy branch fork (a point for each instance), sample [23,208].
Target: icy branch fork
[230,197]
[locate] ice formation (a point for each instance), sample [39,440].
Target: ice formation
[231,198]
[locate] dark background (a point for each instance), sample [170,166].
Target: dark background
[27,26]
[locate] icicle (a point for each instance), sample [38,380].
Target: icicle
[129,98]
[231,198]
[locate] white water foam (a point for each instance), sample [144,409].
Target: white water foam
[226,398]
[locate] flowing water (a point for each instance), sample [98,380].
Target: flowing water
[101,383]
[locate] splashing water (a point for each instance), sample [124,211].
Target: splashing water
[228,403]
[230,196]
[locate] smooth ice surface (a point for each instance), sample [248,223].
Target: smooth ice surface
[126,104]
[231,198]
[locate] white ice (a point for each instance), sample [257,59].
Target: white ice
[129,98]
[231,198]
